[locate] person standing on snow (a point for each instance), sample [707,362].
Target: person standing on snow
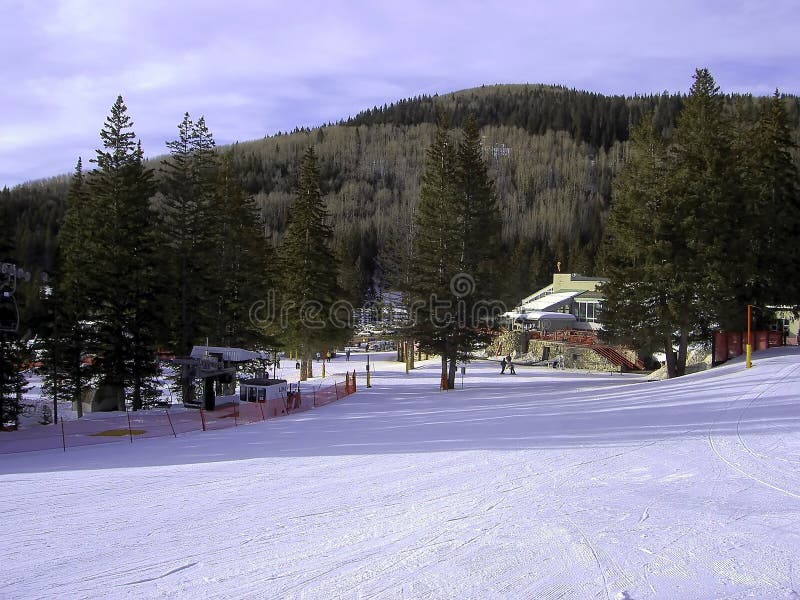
[503,366]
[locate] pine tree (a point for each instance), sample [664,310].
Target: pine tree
[673,248]
[122,276]
[244,267]
[458,234]
[190,232]
[477,213]
[12,381]
[438,253]
[772,205]
[646,301]
[706,187]
[480,230]
[70,337]
[307,306]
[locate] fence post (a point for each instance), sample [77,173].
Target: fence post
[63,436]
[261,408]
[130,432]
[170,423]
[235,414]
[203,418]
[336,389]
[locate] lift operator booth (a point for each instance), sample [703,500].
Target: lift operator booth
[273,393]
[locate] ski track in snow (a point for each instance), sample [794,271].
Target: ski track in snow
[738,455]
[680,489]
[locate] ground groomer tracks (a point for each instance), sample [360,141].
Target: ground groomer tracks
[737,454]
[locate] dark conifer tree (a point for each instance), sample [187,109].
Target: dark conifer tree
[438,252]
[70,337]
[307,305]
[706,186]
[244,264]
[190,229]
[458,233]
[772,205]
[647,302]
[122,276]
[480,230]
[677,249]
[12,381]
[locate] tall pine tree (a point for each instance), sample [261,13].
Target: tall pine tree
[772,205]
[309,294]
[71,340]
[647,305]
[438,253]
[190,231]
[122,276]
[706,187]
[244,265]
[698,228]
[458,230]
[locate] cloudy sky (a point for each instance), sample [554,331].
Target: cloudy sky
[255,67]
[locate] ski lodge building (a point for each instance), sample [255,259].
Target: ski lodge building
[571,302]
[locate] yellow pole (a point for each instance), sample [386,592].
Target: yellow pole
[748,348]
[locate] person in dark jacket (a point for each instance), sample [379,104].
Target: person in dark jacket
[503,366]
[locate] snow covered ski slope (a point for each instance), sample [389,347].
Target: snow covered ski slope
[542,485]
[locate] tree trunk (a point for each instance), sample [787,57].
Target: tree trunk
[451,374]
[445,380]
[410,351]
[76,384]
[683,345]
[670,354]
[303,369]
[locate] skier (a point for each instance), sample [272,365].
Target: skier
[511,367]
[503,366]
[347,354]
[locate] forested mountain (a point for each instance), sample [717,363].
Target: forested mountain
[552,153]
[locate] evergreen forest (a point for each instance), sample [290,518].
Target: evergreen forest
[552,153]
[194,237]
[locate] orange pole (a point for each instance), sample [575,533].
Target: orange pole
[748,347]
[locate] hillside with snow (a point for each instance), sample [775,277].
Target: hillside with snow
[545,484]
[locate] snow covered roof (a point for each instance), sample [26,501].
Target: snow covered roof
[539,315]
[550,301]
[228,354]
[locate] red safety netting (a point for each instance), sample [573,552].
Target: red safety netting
[132,426]
[87,432]
[249,412]
[220,418]
[332,393]
[186,420]
[325,396]
[46,437]
[151,425]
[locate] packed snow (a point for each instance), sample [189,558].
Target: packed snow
[545,484]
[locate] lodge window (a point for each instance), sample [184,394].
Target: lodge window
[587,311]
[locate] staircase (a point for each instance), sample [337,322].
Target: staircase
[616,357]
